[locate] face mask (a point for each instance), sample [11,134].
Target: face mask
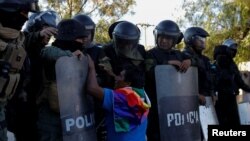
[223,61]
[231,52]
[13,20]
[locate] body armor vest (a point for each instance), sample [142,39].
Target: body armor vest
[12,56]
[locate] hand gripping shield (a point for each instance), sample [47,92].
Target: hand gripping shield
[76,107]
[178,108]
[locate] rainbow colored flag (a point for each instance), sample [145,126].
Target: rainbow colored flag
[131,108]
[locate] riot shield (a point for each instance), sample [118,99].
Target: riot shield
[244,108]
[207,116]
[244,114]
[76,107]
[177,96]
[243,98]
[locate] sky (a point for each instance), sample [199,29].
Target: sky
[152,12]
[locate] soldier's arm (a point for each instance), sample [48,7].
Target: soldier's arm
[150,62]
[92,85]
[33,42]
[53,53]
[187,55]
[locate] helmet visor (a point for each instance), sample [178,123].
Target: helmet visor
[127,48]
[33,7]
[200,38]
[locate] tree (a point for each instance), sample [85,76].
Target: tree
[103,11]
[222,19]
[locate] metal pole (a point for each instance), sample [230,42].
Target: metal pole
[145,26]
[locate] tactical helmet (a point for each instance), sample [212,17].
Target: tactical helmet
[231,47]
[230,43]
[168,28]
[70,29]
[112,27]
[126,30]
[87,22]
[192,32]
[38,20]
[19,5]
[126,37]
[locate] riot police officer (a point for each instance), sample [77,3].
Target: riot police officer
[90,47]
[228,81]
[195,41]
[68,43]
[167,35]
[13,14]
[125,50]
[97,55]
[38,30]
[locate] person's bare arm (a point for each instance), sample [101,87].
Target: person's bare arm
[92,85]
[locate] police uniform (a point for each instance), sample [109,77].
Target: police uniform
[227,83]
[12,53]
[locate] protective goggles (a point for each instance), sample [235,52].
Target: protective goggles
[33,7]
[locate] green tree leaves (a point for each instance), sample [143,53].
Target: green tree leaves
[222,19]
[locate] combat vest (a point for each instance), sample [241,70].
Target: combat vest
[12,56]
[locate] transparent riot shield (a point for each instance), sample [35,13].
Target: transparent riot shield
[244,108]
[178,106]
[207,116]
[76,107]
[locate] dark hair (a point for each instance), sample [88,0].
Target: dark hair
[135,76]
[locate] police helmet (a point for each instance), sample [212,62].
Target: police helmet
[87,22]
[168,28]
[126,37]
[37,21]
[127,31]
[112,27]
[19,5]
[230,43]
[192,32]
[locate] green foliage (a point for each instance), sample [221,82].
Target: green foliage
[222,19]
[102,32]
[108,9]
[103,11]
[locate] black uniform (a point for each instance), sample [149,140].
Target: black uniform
[203,64]
[118,63]
[228,81]
[157,56]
